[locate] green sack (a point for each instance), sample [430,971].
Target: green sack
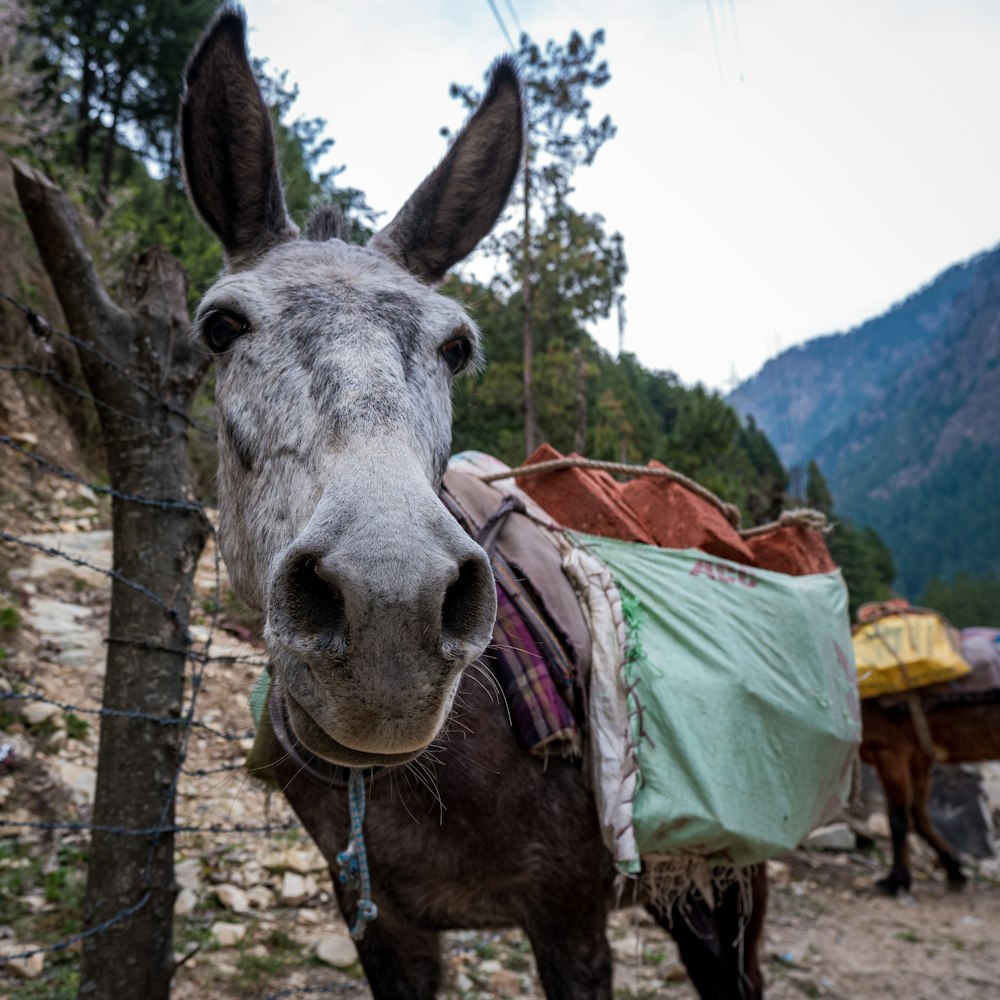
[743,701]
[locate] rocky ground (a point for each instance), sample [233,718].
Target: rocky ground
[254,914]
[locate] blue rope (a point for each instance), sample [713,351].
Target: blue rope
[353,860]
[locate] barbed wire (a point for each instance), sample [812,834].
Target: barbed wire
[331,990]
[149,831]
[139,588]
[56,379]
[186,722]
[44,329]
[123,713]
[160,502]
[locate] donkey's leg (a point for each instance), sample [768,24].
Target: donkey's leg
[571,951]
[720,946]
[893,766]
[920,770]
[690,922]
[401,960]
[739,917]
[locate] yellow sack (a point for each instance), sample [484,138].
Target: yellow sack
[898,648]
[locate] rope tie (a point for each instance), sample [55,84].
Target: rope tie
[802,517]
[353,860]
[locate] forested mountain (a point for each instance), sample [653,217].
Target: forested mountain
[800,395]
[903,417]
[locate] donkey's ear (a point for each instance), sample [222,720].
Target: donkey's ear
[228,144]
[457,205]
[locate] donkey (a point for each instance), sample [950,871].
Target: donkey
[334,371]
[962,729]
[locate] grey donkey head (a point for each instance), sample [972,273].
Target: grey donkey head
[334,372]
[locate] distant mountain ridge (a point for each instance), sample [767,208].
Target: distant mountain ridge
[903,416]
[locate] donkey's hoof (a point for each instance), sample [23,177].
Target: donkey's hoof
[888,886]
[956,881]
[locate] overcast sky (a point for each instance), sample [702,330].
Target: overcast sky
[782,169]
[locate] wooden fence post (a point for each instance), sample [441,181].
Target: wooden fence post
[142,371]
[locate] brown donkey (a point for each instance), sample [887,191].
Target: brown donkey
[962,729]
[334,371]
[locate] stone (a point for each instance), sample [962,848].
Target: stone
[877,825]
[778,873]
[260,897]
[86,493]
[835,837]
[673,973]
[463,984]
[308,917]
[990,770]
[93,547]
[293,889]
[304,862]
[233,898]
[227,935]
[187,873]
[505,983]
[337,950]
[959,809]
[27,968]
[16,748]
[35,713]
[63,624]
[187,900]
[54,742]
[627,949]
[82,781]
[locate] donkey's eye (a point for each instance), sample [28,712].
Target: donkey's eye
[456,353]
[222,328]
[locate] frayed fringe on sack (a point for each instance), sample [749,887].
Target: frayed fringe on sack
[665,882]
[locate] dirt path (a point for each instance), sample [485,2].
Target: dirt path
[829,935]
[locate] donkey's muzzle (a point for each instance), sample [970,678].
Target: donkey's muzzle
[370,648]
[322,611]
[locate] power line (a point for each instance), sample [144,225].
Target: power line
[513,13]
[500,21]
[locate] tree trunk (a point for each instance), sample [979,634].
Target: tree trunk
[580,438]
[527,321]
[84,126]
[107,163]
[150,375]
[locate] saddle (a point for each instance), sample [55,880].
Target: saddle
[541,650]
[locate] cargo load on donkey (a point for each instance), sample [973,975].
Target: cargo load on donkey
[721,699]
[899,648]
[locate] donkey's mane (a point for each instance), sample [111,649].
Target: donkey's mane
[327,222]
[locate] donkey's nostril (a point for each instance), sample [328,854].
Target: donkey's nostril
[469,607]
[315,604]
